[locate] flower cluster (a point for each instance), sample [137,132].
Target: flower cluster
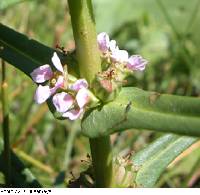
[117,57]
[70,96]
[116,65]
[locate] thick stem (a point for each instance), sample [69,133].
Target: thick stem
[89,62]
[85,38]
[5,125]
[102,161]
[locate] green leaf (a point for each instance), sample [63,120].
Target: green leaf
[27,54]
[154,148]
[21,176]
[153,160]
[135,108]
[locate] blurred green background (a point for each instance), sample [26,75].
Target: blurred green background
[165,32]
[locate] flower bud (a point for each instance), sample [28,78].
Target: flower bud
[106,87]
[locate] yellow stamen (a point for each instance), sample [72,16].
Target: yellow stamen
[53,81]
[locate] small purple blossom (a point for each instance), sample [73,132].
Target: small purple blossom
[82,97]
[117,65]
[74,96]
[136,62]
[73,114]
[103,42]
[42,94]
[80,83]
[45,73]
[116,56]
[119,56]
[56,62]
[70,106]
[62,101]
[113,46]
[42,74]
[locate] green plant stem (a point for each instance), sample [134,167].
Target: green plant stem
[85,38]
[89,63]
[5,125]
[102,161]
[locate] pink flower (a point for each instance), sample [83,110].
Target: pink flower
[103,42]
[73,99]
[42,74]
[136,62]
[62,101]
[113,46]
[45,73]
[72,107]
[42,94]
[80,83]
[119,56]
[73,114]
[82,97]
[56,62]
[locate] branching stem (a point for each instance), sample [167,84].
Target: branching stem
[90,64]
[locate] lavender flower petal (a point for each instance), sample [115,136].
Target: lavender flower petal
[42,73]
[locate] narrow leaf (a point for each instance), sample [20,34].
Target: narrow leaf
[27,54]
[21,176]
[151,168]
[154,148]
